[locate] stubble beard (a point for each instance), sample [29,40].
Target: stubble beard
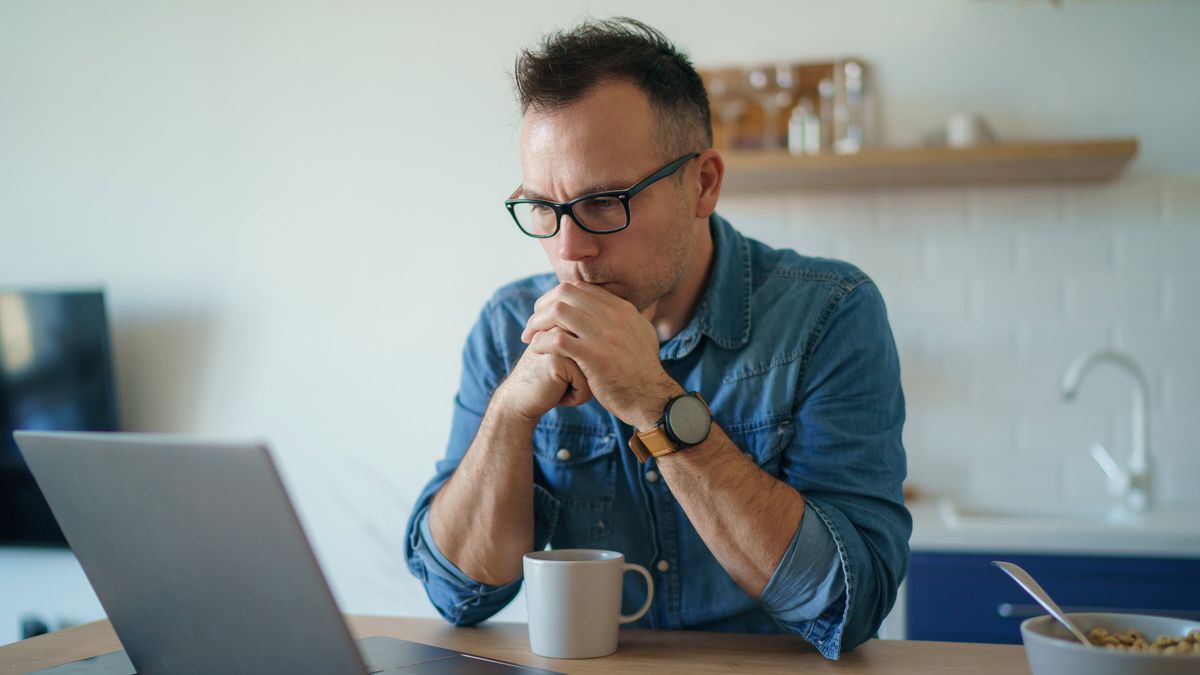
[667,272]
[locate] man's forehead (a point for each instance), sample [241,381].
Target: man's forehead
[597,143]
[565,175]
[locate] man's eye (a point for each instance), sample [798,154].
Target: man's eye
[540,209]
[604,202]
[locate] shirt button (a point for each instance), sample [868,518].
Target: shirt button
[652,476]
[564,454]
[663,565]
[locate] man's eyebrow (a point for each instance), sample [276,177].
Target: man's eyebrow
[591,189]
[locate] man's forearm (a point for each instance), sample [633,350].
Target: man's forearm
[745,517]
[482,518]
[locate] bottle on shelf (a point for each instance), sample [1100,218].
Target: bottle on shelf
[804,130]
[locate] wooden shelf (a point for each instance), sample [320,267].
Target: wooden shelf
[1087,161]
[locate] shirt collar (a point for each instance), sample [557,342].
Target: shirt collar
[723,313]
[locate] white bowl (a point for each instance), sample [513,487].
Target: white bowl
[1052,650]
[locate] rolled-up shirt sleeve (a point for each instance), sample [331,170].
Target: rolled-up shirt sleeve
[457,597]
[462,600]
[808,581]
[839,577]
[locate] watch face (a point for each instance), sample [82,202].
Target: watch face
[688,420]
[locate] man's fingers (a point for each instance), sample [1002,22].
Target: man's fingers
[583,295]
[556,342]
[592,290]
[595,293]
[557,314]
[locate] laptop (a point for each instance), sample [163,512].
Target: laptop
[196,554]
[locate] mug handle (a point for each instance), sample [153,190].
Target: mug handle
[630,618]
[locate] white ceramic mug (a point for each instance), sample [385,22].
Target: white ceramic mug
[964,130]
[574,601]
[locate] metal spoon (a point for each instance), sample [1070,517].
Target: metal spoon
[1035,591]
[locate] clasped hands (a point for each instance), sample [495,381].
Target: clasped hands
[586,342]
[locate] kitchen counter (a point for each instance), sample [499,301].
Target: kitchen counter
[952,592]
[939,527]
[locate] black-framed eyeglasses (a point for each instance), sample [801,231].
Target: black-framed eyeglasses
[598,213]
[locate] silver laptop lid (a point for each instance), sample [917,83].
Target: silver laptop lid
[194,551]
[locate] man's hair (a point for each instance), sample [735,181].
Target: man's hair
[568,63]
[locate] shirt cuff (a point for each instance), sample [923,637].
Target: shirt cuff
[809,585]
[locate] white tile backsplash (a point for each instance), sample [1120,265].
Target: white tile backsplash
[1054,341]
[1012,298]
[961,345]
[962,432]
[1182,206]
[1176,480]
[1064,251]
[1003,482]
[924,299]
[1084,481]
[1002,386]
[1000,208]
[881,254]
[1126,202]
[930,386]
[939,474]
[1159,342]
[1135,296]
[1175,248]
[1062,431]
[992,291]
[991,252]
[1182,295]
[844,212]
[1181,392]
[916,209]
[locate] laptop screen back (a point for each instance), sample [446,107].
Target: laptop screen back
[194,551]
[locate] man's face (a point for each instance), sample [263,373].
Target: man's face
[605,141]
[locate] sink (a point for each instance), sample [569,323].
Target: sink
[957,515]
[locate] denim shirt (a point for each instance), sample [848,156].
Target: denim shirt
[797,361]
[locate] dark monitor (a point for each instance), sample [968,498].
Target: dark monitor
[56,375]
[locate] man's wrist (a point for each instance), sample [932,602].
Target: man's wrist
[508,415]
[650,406]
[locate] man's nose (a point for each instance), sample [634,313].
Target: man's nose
[575,243]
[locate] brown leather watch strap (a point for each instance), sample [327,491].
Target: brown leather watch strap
[651,443]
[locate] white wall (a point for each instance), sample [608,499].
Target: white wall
[295,209]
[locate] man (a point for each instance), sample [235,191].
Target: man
[782,511]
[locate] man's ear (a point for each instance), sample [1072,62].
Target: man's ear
[711,172]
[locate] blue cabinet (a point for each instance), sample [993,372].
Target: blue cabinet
[961,597]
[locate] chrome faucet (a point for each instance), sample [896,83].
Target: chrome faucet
[1131,484]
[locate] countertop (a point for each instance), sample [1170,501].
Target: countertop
[1171,534]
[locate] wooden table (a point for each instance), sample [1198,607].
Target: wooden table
[640,651]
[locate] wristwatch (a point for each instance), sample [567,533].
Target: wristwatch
[686,421]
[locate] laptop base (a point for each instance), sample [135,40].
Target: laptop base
[382,655]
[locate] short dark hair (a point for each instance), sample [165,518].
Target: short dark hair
[568,63]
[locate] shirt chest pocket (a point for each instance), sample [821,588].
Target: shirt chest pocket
[763,441]
[578,467]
